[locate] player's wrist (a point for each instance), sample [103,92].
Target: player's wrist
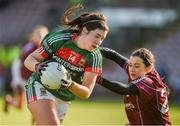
[36,66]
[99,79]
[72,84]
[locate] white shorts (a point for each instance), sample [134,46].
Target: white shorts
[38,92]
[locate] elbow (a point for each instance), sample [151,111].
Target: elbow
[25,63]
[82,92]
[85,96]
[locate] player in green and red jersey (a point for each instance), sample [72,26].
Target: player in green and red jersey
[78,51]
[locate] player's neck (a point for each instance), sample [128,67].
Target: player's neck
[79,42]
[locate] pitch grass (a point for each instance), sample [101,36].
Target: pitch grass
[83,113]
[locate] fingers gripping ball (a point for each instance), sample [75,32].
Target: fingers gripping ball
[53,74]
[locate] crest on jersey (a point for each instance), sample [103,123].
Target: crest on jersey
[129,106]
[82,62]
[43,92]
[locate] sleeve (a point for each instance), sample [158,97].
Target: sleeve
[119,87]
[53,42]
[113,55]
[146,90]
[94,62]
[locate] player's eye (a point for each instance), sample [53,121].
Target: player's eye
[137,66]
[130,65]
[97,36]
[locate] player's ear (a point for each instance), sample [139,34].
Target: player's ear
[148,68]
[84,31]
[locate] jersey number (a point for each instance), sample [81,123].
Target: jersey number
[71,58]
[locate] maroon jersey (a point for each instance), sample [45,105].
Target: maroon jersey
[27,49]
[150,107]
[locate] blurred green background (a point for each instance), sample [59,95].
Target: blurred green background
[92,112]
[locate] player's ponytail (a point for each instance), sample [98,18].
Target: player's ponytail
[91,21]
[70,12]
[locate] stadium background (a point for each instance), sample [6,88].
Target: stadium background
[153,24]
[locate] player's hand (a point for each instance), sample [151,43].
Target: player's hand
[66,83]
[99,79]
[41,67]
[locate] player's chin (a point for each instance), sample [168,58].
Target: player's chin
[133,77]
[92,48]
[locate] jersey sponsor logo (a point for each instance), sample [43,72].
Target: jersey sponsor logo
[68,64]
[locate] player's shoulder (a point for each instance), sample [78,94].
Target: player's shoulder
[96,52]
[65,31]
[95,55]
[60,35]
[145,83]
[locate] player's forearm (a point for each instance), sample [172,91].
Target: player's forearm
[113,55]
[120,88]
[80,90]
[30,63]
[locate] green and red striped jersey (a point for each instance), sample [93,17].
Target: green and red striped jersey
[59,46]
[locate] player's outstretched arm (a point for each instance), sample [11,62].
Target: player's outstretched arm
[113,55]
[118,87]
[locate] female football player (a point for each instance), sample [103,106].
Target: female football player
[145,96]
[77,50]
[20,74]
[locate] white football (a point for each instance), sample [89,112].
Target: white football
[51,77]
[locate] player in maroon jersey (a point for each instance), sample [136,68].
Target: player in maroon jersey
[20,73]
[145,96]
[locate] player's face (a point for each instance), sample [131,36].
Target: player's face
[93,39]
[136,67]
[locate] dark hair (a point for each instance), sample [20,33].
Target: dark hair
[91,21]
[146,55]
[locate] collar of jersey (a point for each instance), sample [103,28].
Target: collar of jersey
[138,80]
[74,37]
